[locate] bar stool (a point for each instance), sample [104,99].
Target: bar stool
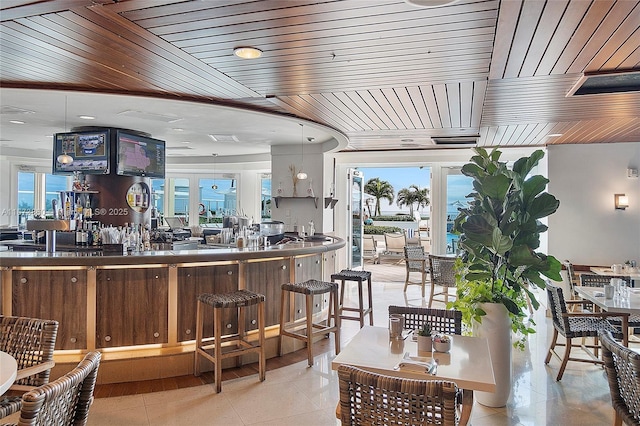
[211,348]
[294,329]
[359,277]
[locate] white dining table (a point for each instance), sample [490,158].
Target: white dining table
[468,363]
[608,271]
[8,370]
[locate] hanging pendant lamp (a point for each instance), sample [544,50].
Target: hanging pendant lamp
[301,174]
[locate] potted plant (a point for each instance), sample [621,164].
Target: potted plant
[424,337]
[499,235]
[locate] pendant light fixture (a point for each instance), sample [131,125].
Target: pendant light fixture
[64,158]
[214,186]
[301,174]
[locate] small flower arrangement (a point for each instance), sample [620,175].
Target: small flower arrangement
[442,338]
[425,330]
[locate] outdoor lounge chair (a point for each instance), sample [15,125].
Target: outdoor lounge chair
[394,246]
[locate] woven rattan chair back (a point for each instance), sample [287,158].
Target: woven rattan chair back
[373,399]
[64,401]
[442,270]
[571,275]
[623,373]
[414,258]
[30,341]
[448,321]
[558,308]
[595,280]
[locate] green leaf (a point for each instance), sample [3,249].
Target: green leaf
[534,186]
[543,205]
[495,186]
[501,243]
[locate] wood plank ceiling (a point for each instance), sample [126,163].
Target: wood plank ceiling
[385,73]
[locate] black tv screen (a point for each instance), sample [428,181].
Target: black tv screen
[140,155]
[89,150]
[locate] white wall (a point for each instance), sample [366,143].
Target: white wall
[587,229]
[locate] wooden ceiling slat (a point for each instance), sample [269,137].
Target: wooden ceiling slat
[312,34]
[147,9]
[325,110]
[453,104]
[623,35]
[506,28]
[429,96]
[371,116]
[537,134]
[395,105]
[574,14]
[418,102]
[386,108]
[525,30]
[541,38]
[305,106]
[68,35]
[117,24]
[34,8]
[466,103]
[479,93]
[373,103]
[620,59]
[440,92]
[329,102]
[354,110]
[406,102]
[583,33]
[609,30]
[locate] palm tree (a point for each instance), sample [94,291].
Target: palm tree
[413,195]
[379,189]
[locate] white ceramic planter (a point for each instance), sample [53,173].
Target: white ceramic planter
[496,328]
[424,343]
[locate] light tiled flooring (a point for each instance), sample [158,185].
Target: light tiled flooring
[298,395]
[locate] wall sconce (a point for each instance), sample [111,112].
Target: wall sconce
[621,201]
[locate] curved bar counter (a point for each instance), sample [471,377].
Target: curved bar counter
[140,309]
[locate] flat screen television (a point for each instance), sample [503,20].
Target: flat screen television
[89,150]
[139,155]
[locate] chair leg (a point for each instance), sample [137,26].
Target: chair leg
[371,300]
[433,286]
[283,293]
[199,333]
[217,335]
[309,315]
[360,304]
[424,282]
[617,420]
[406,281]
[567,353]
[262,365]
[337,321]
[552,346]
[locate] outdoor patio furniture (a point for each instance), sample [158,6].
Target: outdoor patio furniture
[415,260]
[394,246]
[448,321]
[442,275]
[370,248]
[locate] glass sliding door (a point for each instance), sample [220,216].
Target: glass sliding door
[356,184]
[458,187]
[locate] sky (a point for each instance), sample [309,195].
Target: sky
[403,177]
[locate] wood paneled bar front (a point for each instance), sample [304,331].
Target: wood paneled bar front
[140,309]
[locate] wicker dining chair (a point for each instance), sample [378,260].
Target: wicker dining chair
[415,261]
[576,324]
[368,398]
[31,342]
[447,321]
[595,280]
[443,275]
[622,366]
[64,401]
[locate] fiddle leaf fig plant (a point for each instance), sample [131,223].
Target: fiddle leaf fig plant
[499,235]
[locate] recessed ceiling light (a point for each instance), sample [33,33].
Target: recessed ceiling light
[554,135]
[16,122]
[87,117]
[247,52]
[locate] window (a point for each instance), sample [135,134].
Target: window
[53,184]
[217,199]
[265,196]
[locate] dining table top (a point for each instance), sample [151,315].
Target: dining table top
[608,271]
[615,304]
[468,363]
[8,370]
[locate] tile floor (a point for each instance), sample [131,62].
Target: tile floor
[298,395]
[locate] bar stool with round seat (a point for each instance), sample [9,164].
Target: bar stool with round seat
[308,330]
[359,277]
[235,344]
